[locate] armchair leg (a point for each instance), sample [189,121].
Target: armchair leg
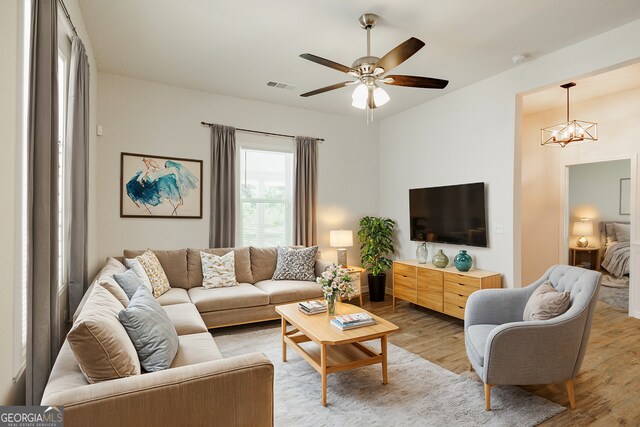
[571,393]
[487,397]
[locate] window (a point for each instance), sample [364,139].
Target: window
[266,192]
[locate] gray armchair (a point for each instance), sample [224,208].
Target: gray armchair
[504,349]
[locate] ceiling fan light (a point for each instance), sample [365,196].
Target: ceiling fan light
[360,96]
[380,97]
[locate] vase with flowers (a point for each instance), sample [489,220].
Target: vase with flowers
[336,284]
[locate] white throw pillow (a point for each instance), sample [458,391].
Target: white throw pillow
[218,271]
[137,268]
[622,232]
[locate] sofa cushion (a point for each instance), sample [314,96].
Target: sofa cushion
[242,262]
[282,291]
[296,264]
[111,267]
[151,331]
[110,284]
[185,318]
[157,276]
[174,296]
[218,271]
[100,343]
[476,338]
[174,264]
[243,295]
[546,302]
[196,348]
[263,263]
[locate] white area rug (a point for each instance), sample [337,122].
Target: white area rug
[419,392]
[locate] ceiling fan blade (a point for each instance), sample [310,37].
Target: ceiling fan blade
[415,81]
[399,54]
[325,89]
[325,62]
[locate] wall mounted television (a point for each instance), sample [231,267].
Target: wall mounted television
[452,214]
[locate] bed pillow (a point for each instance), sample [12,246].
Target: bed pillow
[218,271]
[151,331]
[135,265]
[622,232]
[546,303]
[296,264]
[155,272]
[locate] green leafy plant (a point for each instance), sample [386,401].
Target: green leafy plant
[376,241]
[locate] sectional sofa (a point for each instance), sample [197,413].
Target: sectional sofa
[201,387]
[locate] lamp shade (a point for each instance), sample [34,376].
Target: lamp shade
[341,238]
[584,227]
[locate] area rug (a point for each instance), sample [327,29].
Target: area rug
[419,392]
[615,291]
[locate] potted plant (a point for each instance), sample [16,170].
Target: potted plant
[376,241]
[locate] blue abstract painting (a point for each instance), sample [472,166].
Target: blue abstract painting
[160,187]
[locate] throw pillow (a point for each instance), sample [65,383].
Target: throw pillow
[218,271]
[296,264]
[155,272]
[152,333]
[100,343]
[546,303]
[129,281]
[110,284]
[135,265]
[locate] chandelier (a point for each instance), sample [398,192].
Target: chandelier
[571,131]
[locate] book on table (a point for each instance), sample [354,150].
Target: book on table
[312,307]
[342,327]
[350,319]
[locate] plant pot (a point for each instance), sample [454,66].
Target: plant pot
[377,287]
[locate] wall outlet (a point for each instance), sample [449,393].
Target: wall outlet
[498,228]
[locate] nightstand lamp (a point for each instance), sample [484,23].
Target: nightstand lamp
[583,228]
[341,239]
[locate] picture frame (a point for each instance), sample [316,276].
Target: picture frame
[160,187]
[625,191]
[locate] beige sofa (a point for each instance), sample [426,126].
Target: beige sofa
[201,387]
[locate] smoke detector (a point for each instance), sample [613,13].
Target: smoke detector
[281,85]
[519,58]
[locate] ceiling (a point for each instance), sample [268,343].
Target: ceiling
[619,80]
[235,47]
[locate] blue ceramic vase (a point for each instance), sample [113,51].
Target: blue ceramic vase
[463,261]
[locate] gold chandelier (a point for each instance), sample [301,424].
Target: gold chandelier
[570,132]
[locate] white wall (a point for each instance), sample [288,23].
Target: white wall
[473,134]
[544,173]
[151,118]
[594,193]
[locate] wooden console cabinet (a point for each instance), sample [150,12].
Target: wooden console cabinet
[441,289]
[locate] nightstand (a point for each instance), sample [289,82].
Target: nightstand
[581,255]
[356,278]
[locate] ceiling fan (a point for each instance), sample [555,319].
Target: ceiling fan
[370,71]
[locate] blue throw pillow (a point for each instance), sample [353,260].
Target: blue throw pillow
[152,333]
[129,281]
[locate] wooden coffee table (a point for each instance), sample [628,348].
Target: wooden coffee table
[336,350]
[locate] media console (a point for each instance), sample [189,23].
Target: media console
[441,289]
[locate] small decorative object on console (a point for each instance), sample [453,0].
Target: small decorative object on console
[463,261]
[336,283]
[422,253]
[440,260]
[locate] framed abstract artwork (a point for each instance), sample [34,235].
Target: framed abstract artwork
[160,187]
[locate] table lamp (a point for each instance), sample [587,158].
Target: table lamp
[341,239]
[583,228]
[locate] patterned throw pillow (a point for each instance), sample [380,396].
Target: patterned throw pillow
[218,271]
[296,264]
[155,272]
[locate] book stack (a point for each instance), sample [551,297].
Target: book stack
[312,307]
[351,321]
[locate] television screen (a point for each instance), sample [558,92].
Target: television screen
[452,214]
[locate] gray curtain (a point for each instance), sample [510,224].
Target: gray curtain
[78,148]
[43,325]
[305,191]
[222,226]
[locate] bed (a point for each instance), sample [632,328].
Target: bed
[615,239]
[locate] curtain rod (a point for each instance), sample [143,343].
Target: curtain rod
[66,13]
[261,132]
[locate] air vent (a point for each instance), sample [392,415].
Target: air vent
[281,85]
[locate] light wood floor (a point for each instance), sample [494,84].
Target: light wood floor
[607,388]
